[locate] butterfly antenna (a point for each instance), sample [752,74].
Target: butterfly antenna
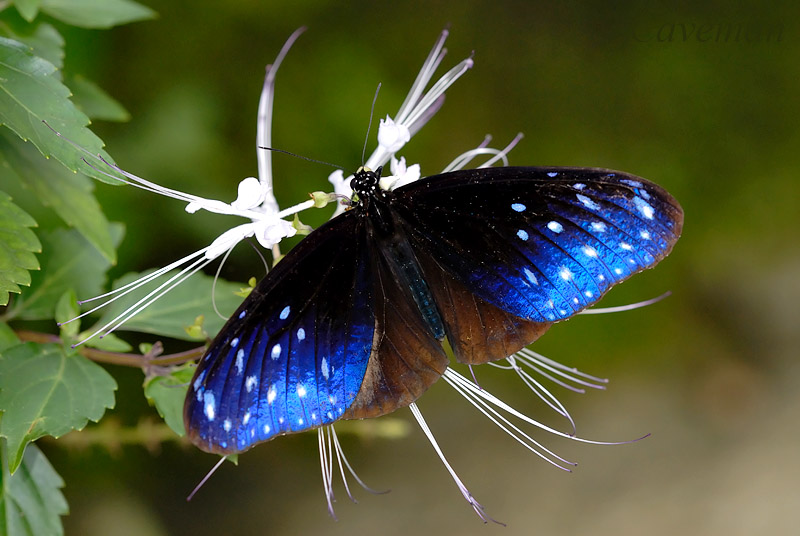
[205,478]
[369,125]
[301,157]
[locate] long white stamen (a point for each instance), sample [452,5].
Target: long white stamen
[214,284]
[429,67]
[538,362]
[327,470]
[469,390]
[149,299]
[493,400]
[264,122]
[340,452]
[461,487]
[211,205]
[621,308]
[142,280]
[546,396]
[502,155]
[205,478]
[438,90]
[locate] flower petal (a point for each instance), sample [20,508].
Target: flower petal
[251,193]
[392,136]
[272,230]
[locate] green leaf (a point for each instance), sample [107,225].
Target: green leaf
[109,342]
[43,39]
[69,194]
[7,337]
[30,93]
[31,501]
[97,13]
[168,393]
[92,100]
[68,262]
[178,309]
[67,309]
[46,389]
[17,247]
[28,8]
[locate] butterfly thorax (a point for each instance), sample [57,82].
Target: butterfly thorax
[365,184]
[372,201]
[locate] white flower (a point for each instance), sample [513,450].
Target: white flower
[392,136]
[401,174]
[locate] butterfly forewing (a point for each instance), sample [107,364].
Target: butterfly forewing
[293,356]
[540,243]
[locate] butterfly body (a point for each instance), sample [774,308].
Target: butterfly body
[350,323]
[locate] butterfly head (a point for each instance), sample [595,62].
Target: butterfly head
[365,183]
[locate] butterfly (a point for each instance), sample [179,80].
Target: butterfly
[350,323]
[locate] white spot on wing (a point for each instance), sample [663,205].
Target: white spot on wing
[301,334]
[531,276]
[644,207]
[518,207]
[522,234]
[199,380]
[210,405]
[250,382]
[276,351]
[565,274]
[285,312]
[590,251]
[271,394]
[235,342]
[555,226]
[301,390]
[552,173]
[598,227]
[324,368]
[239,361]
[226,424]
[588,203]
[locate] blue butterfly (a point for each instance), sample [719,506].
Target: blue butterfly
[350,323]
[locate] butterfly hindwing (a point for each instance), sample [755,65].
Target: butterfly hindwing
[540,243]
[477,331]
[408,358]
[294,355]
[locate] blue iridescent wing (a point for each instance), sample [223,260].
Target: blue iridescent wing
[294,355]
[328,334]
[540,244]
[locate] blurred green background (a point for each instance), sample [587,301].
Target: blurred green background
[711,372]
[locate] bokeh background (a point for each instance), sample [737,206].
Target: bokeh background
[712,372]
